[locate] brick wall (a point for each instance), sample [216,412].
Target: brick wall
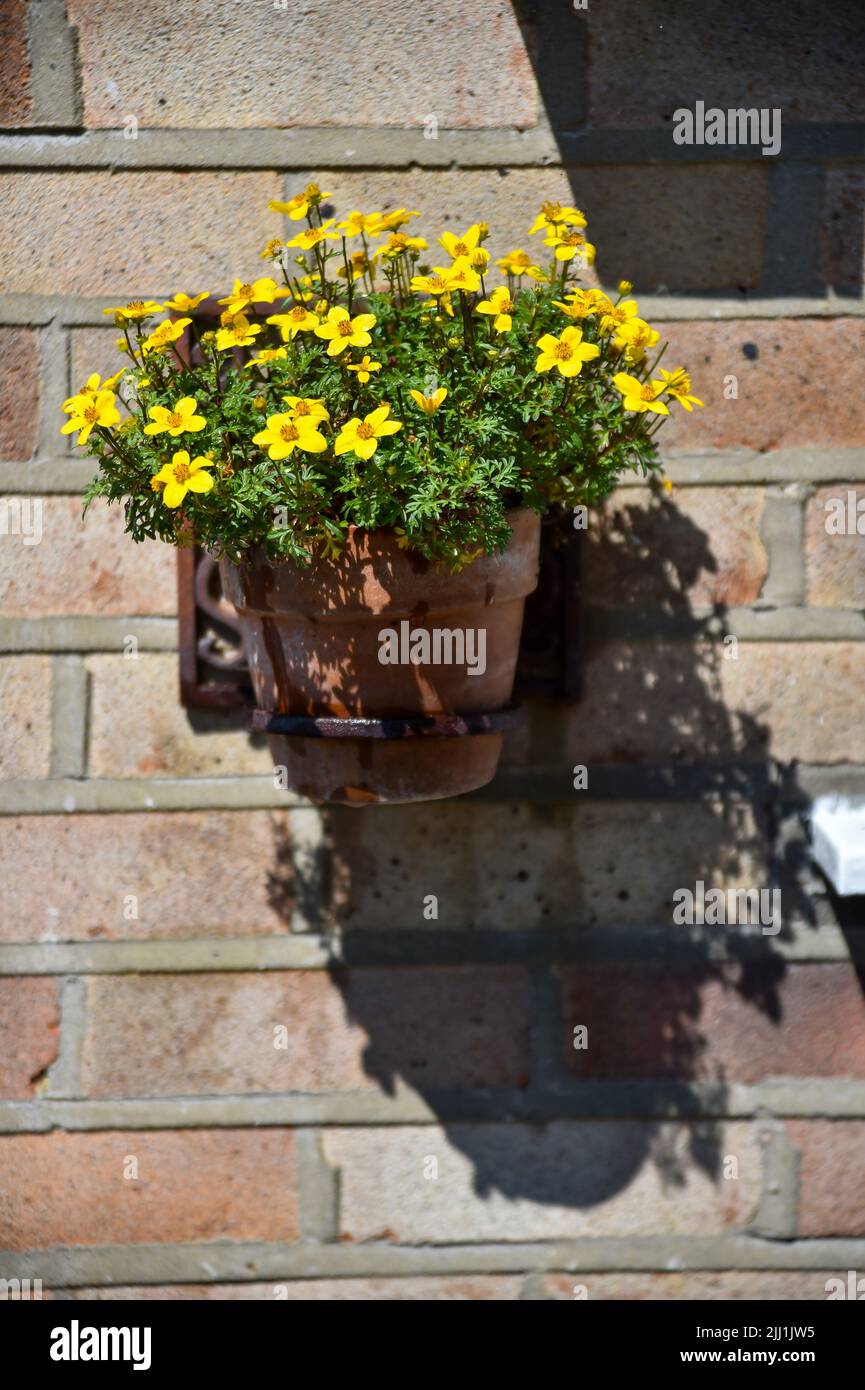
[238,1060]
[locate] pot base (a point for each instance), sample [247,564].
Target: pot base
[384,772]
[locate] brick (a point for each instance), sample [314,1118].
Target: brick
[671,701]
[168,741]
[513,1182]
[714,1023]
[385,69]
[463,1288]
[16,104]
[720,1286]
[82,871]
[86,566]
[835,564]
[19,393]
[193,1185]
[215,1033]
[25,730]
[578,864]
[700,547]
[798,58]
[797,382]
[841,242]
[30,1028]
[712,217]
[194,230]
[832,1176]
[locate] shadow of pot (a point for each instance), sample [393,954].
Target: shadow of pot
[378,677]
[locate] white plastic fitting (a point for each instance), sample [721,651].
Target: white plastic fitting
[838,846]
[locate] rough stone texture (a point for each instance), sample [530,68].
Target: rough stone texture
[512,1182]
[192,1185]
[203,1034]
[461,1288]
[19,393]
[664,701]
[796,57]
[842,240]
[712,217]
[573,865]
[120,235]
[389,67]
[25,730]
[699,546]
[30,1028]
[82,872]
[835,564]
[682,1024]
[759,1285]
[832,1176]
[170,741]
[798,383]
[86,566]
[15,99]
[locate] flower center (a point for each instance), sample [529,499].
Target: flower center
[135,304]
[289,433]
[298,312]
[365,431]
[182,471]
[552,211]
[647,393]
[345,329]
[246,291]
[436,282]
[302,408]
[680,381]
[460,248]
[175,419]
[91,414]
[564,352]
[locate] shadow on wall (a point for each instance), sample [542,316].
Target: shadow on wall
[517,885]
[612,76]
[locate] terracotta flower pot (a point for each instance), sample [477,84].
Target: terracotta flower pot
[382,678]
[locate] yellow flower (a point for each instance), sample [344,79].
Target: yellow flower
[502,306]
[182,475]
[247,292]
[624,287]
[520,263]
[391,221]
[678,385]
[364,368]
[435,283]
[634,337]
[92,387]
[566,353]
[236,331]
[271,249]
[358,265]
[298,206]
[555,215]
[357,223]
[179,419]
[90,411]
[135,309]
[640,395]
[569,243]
[266,355]
[184,303]
[313,236]
[309,407]
[582,303]
[479,259]
[361,437]
[614,317]
[297,320]
[459,246]
[342,331]
[429,404]
[398,243]
[461,276]
[164,333]
[286,432]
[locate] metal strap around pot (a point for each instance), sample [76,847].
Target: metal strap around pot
[408,726]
